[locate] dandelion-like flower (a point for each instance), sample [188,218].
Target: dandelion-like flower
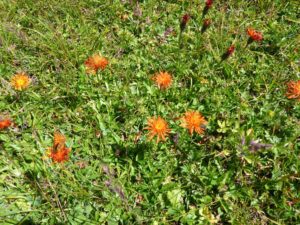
[94,63]
[157,127]
[162,79]
[254,35]
[59,152]
[20,81]
[5,123]
[193,121]
[293,90]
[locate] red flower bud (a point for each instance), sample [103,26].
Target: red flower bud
[230,50]
[228,53]
[206,22]
[208,3]
[205,25]
[184,21]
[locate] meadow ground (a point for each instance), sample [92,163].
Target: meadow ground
[241,167]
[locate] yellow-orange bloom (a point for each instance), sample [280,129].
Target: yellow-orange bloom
[20,81]
[293,90]
[157,127]
[94,63]
[59,152]
[5,123]
[254,35]
[193,121]
[162,79]
[59,138]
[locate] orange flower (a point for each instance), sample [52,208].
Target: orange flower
[20,81]
[59,152]
[5,123]
[59,138]
[193,121]
[94,63]
[254,35]
[162,79]
[157,127]
[293,89]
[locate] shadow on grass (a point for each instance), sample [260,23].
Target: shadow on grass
[27,222]
[135,153]
[267,47]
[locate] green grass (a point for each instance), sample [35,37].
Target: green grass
[212,178]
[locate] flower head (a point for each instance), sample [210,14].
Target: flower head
[293,90]
[162,79]
[193,121]
[205,25]
[5,123]
[230,50]
[208,3]
[254,35]
[184,20]
[20,81]
[59,152]
[94,63]
[157,127]
[59,139]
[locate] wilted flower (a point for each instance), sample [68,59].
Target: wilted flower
[118,189]
[20,81]
[255,145]
[139,199]
[175,138]
[168,32]
[157,127]
[94,63]
[137,11]
[293,90]
[106,169]
[162,79]
[193,121]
